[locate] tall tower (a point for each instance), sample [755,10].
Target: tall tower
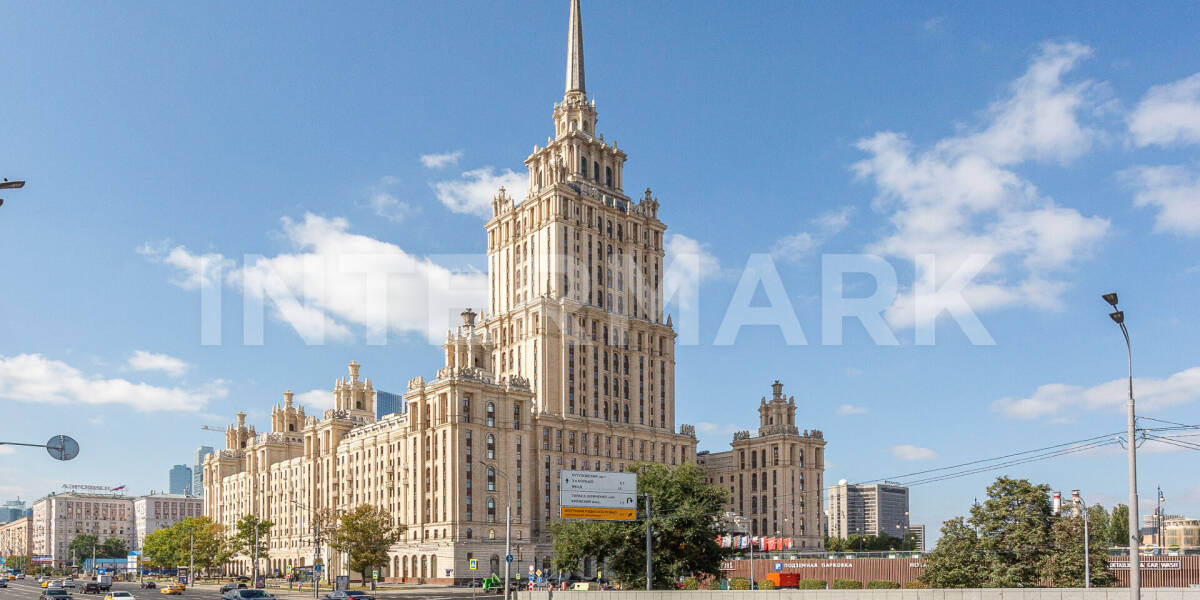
[575,276]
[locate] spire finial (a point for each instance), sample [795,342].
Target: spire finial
[575,52]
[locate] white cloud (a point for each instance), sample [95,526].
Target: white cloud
[35,378]
[1054,399]
[333,279]
[850,409]
[910,452]
[1174,190]
[1168,114]
[438,161]
[192,271]
[316,400]
[687,264]
[473,192]
[960,197]
[797,246]
[151,361]
[7,450]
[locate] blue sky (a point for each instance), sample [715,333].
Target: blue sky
[1062,143]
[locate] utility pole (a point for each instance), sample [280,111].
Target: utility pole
[649,548]
[191,558]
[1087,540]
[316,556]
[1135,537]
[254,571]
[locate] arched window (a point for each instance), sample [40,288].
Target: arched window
[491,447]
[608,176]
[491,479]
[491,414]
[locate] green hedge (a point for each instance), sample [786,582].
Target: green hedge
[691,583]
[739,583]
[882,584]
[811,584]
[766,584]
[916,585]
[847,584]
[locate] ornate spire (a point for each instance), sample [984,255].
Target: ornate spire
[575,52]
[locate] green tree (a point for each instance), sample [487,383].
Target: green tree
[161,548]
[684,526]
[1063,566]
[113,548]
[1014,531]
[250,539]
[957,561]
[365,534]
[1118,526]
[195,539]
[83,546]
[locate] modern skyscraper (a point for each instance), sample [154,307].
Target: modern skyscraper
[876,509]
[13,510]
[387,403]
[198,469]
[573,367]
[181,480]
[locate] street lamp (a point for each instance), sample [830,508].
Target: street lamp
[1135,579]
[10,185]
[507,523]
[1087,541]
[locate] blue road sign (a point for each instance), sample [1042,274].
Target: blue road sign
[318,568]
[508,558]
[778,566]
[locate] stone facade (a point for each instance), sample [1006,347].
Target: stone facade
[774,479]
[572,368]
[58,518]
[156,511]
[16,537]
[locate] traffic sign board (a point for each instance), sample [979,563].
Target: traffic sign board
[588,481]
[318,568]
[778,566]
[508,558]
[374,573]
[473,564]
[598,513]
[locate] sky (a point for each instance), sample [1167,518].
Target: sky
[190,167]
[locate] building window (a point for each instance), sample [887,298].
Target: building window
[491,479]
[466,408]
[491,414]
[491,516]
[491,446]
[608,176]
[516,415]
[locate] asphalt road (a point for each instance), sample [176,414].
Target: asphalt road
[29,589]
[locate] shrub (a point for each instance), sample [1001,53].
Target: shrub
[882,584]
[766,584]
[739,583]
[691,583]
[811,584]
[916,585]
[847,584]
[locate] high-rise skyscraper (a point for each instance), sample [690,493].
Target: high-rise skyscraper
[877,509]
[198,469]
[571,368]
[181,479]
[387,403]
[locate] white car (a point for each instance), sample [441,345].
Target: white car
[68,583]
[120,595]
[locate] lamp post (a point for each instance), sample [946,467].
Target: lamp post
[507,522]
[1135,579]
[316,547]
[1087,540]
[10,185]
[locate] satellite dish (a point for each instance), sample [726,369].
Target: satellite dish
[62,447]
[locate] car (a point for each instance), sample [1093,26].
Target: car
[247,594]
[91,587]
[68,583]
[349,595]
[120,595]
[232,586]
[20,576]
[3,583]
[56,593]
[173,589]
[148,585]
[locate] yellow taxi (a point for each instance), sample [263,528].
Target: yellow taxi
[173,589]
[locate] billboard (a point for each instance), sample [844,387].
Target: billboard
[598,495]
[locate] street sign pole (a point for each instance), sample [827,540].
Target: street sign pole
[649,548]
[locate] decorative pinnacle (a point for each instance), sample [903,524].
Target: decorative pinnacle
[575,79]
